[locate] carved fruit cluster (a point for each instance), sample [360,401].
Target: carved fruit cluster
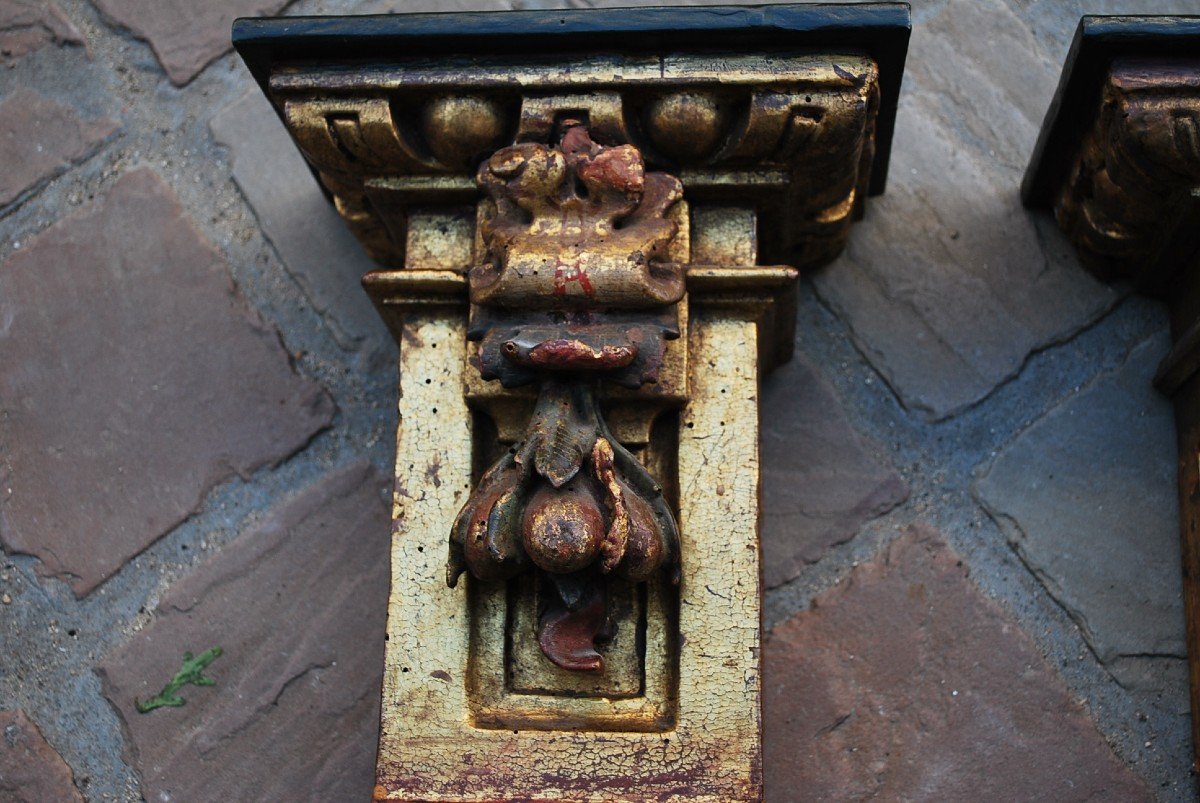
[573,291]
[567,499]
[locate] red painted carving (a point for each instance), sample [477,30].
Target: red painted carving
[573,292]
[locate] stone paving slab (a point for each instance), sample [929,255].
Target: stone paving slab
[312,240]
[298,605]
[949,256]
[186,35]
[31,771]
[905,683]
[1086,495]
[949,284]
[39,138]
[27,25]
[820,481]
[135,380]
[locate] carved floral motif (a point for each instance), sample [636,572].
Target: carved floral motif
[572,293]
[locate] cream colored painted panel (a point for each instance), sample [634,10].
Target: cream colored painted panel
[429,749]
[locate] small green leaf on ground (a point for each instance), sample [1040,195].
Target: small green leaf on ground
[191,672]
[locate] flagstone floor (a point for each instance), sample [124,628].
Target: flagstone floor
[970,528]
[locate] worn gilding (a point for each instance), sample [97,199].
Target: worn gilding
[793,134]
[573,248]
[432,745]
[1130,202]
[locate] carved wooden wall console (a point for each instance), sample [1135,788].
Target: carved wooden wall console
[591,225]
[1118,160]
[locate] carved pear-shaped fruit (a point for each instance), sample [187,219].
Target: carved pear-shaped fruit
[645,547]
[493,545]
[563,528]
[486,537]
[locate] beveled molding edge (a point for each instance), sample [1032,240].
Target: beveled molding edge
[765,294]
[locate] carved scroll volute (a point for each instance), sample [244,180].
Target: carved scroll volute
[571,294]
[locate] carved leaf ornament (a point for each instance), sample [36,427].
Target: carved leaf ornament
[573,292]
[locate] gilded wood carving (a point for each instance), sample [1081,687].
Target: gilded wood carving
[572,291]
[1131,206]
[574,240]
[793,134]
[1130,203]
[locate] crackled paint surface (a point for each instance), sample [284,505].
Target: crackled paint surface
[429,748]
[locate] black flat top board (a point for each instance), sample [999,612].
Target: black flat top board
[1098,40]
[878,29]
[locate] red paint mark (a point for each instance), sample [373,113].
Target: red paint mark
[576,355]
[567,274]
[568,638]
[576,140]
[618,168]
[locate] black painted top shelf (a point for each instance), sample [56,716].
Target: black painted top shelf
[879,30]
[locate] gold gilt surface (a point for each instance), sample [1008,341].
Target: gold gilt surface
[792,135]
[432,747]
[631,413]
[1130,204]
[774,155]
